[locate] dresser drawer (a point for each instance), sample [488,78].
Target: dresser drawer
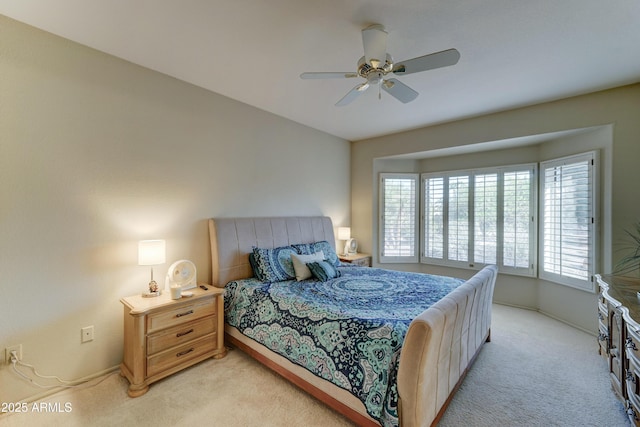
[602,324]
[603,340]
[632,346]
[180,334]
[632,378]
[603,313]
[179,315]
[601,299]
[633,398]
[162,361]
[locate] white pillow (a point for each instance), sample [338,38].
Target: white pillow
[300,264]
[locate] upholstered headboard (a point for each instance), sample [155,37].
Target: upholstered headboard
[232,239]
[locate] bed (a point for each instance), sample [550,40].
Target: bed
[428,350]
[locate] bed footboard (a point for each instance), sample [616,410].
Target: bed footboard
[440,346]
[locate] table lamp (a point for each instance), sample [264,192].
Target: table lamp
[151,252]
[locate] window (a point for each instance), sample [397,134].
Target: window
[398,222]
[434,217]
[567,234]
[518,219]
[485,219]
[458,218]
[486,216]
[446,217]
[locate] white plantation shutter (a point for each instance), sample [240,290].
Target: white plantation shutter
[567,249]
[398,222]
[434,217]
[518,225]
[485,217]
[458,216]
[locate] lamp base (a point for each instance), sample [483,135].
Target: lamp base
[154,290]
[151,294]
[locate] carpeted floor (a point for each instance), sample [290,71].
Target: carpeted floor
[535,372]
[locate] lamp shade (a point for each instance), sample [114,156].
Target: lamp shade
[151,252]
[344,233]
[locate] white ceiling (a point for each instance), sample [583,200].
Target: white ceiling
[513,52]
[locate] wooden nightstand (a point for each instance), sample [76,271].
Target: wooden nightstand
[361,260]
[163,336]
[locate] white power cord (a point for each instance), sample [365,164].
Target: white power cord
[65,383]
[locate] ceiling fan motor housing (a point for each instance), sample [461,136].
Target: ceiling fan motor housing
[374,74]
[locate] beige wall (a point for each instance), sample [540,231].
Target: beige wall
[97,153]
[606,121]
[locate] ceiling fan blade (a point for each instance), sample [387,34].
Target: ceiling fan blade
[328,75]
[374,40]
[399,90]
[353,94]
[427,62]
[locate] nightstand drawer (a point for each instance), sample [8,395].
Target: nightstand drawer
[359,260]
[180,315]
[180,334]
[362,262]
[162,361]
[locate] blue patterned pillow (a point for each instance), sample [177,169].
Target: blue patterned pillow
[274,265]
[254,266]
[324,246]
[323,270]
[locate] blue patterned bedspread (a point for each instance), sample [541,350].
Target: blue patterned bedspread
[348,330]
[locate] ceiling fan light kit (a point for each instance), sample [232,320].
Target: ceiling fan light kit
[377,63]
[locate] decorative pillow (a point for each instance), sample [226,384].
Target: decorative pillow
[300,264]
[324,246]
[274,265]
[254,266]
[323,270]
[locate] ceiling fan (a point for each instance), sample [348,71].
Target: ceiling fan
[377,63]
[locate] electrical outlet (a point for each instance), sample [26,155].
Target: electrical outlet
[8,350]
[87,333]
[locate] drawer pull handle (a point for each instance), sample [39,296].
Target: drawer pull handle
[181,334]
[186,313]
[630,378]
[182,353]
[631,345]
[631,413]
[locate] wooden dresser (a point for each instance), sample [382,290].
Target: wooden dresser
[163,336]
[619,338]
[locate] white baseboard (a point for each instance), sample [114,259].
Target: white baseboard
[548,315]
